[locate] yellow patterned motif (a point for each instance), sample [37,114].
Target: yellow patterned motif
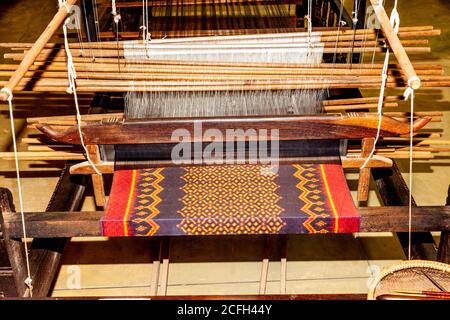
[146,207]
[230,199]
[310,196]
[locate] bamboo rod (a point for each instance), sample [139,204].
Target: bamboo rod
[42,155]
[359,100]
[222,87]
[61,61]
[37,47]
[359,106]
[105,46]
[123,73]
[46,148]
[120,53]
[209,83]
[395,45]
[227,32]
[417,141]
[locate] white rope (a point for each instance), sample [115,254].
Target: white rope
[114,12]
[395,22]
[409,93]
[63,3]
[379,107]
[355,13]
[71,74]
[309,26]
[395,19]
[28,281]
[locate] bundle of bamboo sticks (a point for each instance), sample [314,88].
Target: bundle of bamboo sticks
[103,67]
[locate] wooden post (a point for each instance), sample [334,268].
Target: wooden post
[45,254]
[97,179]
[14,252]
[443,254]
[364,174]
[393,191]
[264,267]
[36,49]
[283,264]
[396,46]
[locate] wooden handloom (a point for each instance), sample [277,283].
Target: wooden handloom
[100,131]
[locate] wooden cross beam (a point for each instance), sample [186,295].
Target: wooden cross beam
[87,224]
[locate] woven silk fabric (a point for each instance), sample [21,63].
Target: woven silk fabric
[230,199]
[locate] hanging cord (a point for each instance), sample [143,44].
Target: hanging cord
[143,27]
[309,17]
[72,76]
[28,281]
[341,23]
[355,14]
[114,12]
[116,18]
[395,22]
[409,94]
[379,107]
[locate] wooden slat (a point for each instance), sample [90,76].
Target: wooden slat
[97,179]
[87,224]
[364,173]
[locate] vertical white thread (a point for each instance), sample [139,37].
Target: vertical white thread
[379,107]
[410,175]
[28,281]
[409,93]
[71,75]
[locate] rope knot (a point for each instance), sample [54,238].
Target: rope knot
[8,92]
[355,17]
[29,282]
[117,18]
[63,3]
[395,20]
[408,92]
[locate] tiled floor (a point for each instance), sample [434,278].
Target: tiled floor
[327,264]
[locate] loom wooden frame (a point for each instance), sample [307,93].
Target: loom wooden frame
[62,224]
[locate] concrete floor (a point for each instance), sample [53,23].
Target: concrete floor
[319,263]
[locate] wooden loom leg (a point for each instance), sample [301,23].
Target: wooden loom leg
[394,192]
[364,174]
[97,179]
[45,254]
[443,254]
[164,278]
[264,267]
[12,279]
[283,264]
